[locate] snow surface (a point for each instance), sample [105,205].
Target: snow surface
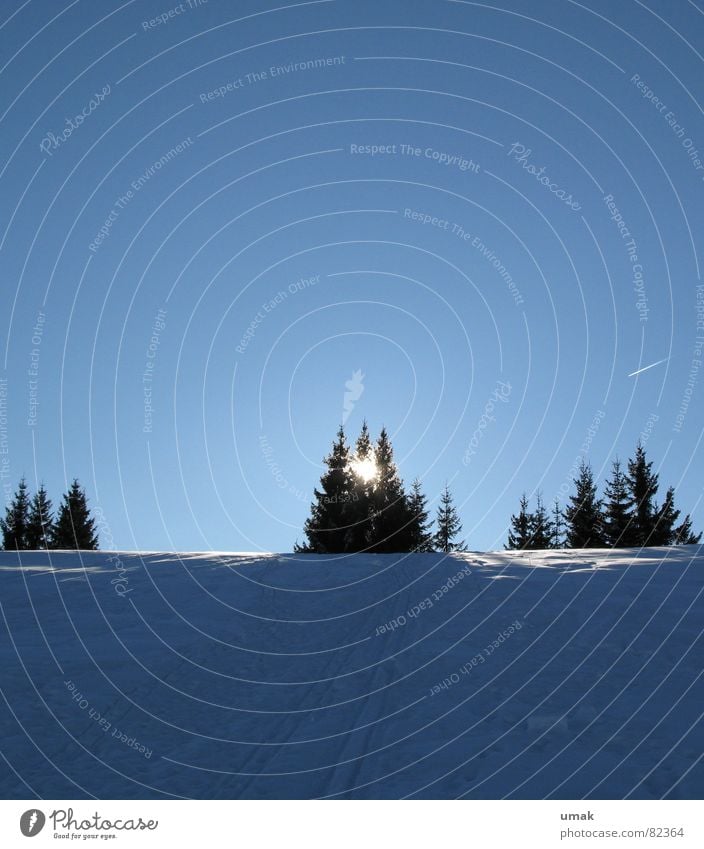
[220,675]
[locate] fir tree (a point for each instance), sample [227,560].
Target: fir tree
[391,527]
[618,524]
[666,530]
[583,513]
[327,527]
[558,526]
[14,525]
[642,485]
[360,530]
[421,536]
[448,525]
[519,535]
[74,527]
[40,524]
[627,516]
[665,521]
[363,449]
[361,504]
[540,526]
[684,535]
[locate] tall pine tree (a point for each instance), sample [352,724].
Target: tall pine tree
[558,526]
[642,485]
[520,533]
[448,525]
[74,527]
[360,534]
[40,523]
[619,529]
[421,536]
[391,526]
[583,512]
[541,531]
[14,525]
[331,517]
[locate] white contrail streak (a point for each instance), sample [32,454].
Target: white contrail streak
[645,368]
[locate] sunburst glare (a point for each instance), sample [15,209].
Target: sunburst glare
[365,469]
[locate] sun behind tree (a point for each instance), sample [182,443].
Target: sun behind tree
[361,505]
[365,469]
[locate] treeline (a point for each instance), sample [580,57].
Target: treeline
[627,515]
[30,523]
[362,505]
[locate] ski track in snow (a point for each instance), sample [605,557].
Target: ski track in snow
[267,676]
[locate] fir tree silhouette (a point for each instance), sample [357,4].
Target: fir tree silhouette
[520,531]
[421,535]
[642,485]
[448,525]
[360,530]
[618,524]
[40,524]
[74,528]
[331,515]
[583,513]
[391,524]
[541,531]
[14,525]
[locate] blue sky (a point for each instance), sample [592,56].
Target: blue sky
[449,197]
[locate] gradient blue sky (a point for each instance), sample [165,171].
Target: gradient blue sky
[268,190]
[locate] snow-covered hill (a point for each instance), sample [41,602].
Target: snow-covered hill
[562,675]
